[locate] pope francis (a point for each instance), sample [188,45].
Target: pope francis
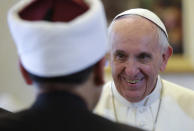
[138,96]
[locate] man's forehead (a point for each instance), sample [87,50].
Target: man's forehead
[134,30]
[134,34]
[136,47]
[131,21]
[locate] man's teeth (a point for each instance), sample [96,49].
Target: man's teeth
[133,81]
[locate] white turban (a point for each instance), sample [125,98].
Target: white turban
[50,49]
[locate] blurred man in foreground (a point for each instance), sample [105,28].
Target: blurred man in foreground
[61,46]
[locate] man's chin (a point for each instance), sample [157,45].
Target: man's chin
[134,97]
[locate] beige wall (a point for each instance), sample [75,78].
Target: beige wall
[15,94]
[188,19]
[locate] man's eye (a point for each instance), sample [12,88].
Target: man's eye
[144,58]
[120,56]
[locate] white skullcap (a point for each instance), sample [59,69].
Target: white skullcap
[50,49]
[146,14]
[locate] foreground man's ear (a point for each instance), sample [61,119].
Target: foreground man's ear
[99,72]
[25,74]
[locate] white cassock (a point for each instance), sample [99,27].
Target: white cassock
[169,107]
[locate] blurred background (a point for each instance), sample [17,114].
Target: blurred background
[176,14]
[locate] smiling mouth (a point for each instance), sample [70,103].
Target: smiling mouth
[134,81]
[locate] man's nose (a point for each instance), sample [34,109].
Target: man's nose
[131,67]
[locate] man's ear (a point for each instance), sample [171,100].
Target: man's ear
[25,74]
[99,72]
[165,56]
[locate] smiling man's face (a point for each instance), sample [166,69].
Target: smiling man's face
[136,57]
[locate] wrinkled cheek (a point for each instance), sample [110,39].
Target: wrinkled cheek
[151,81]
[115,71]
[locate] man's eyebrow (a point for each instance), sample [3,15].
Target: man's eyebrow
[119,51]
[145,54]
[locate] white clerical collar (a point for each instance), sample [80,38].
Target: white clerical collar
[148,100]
